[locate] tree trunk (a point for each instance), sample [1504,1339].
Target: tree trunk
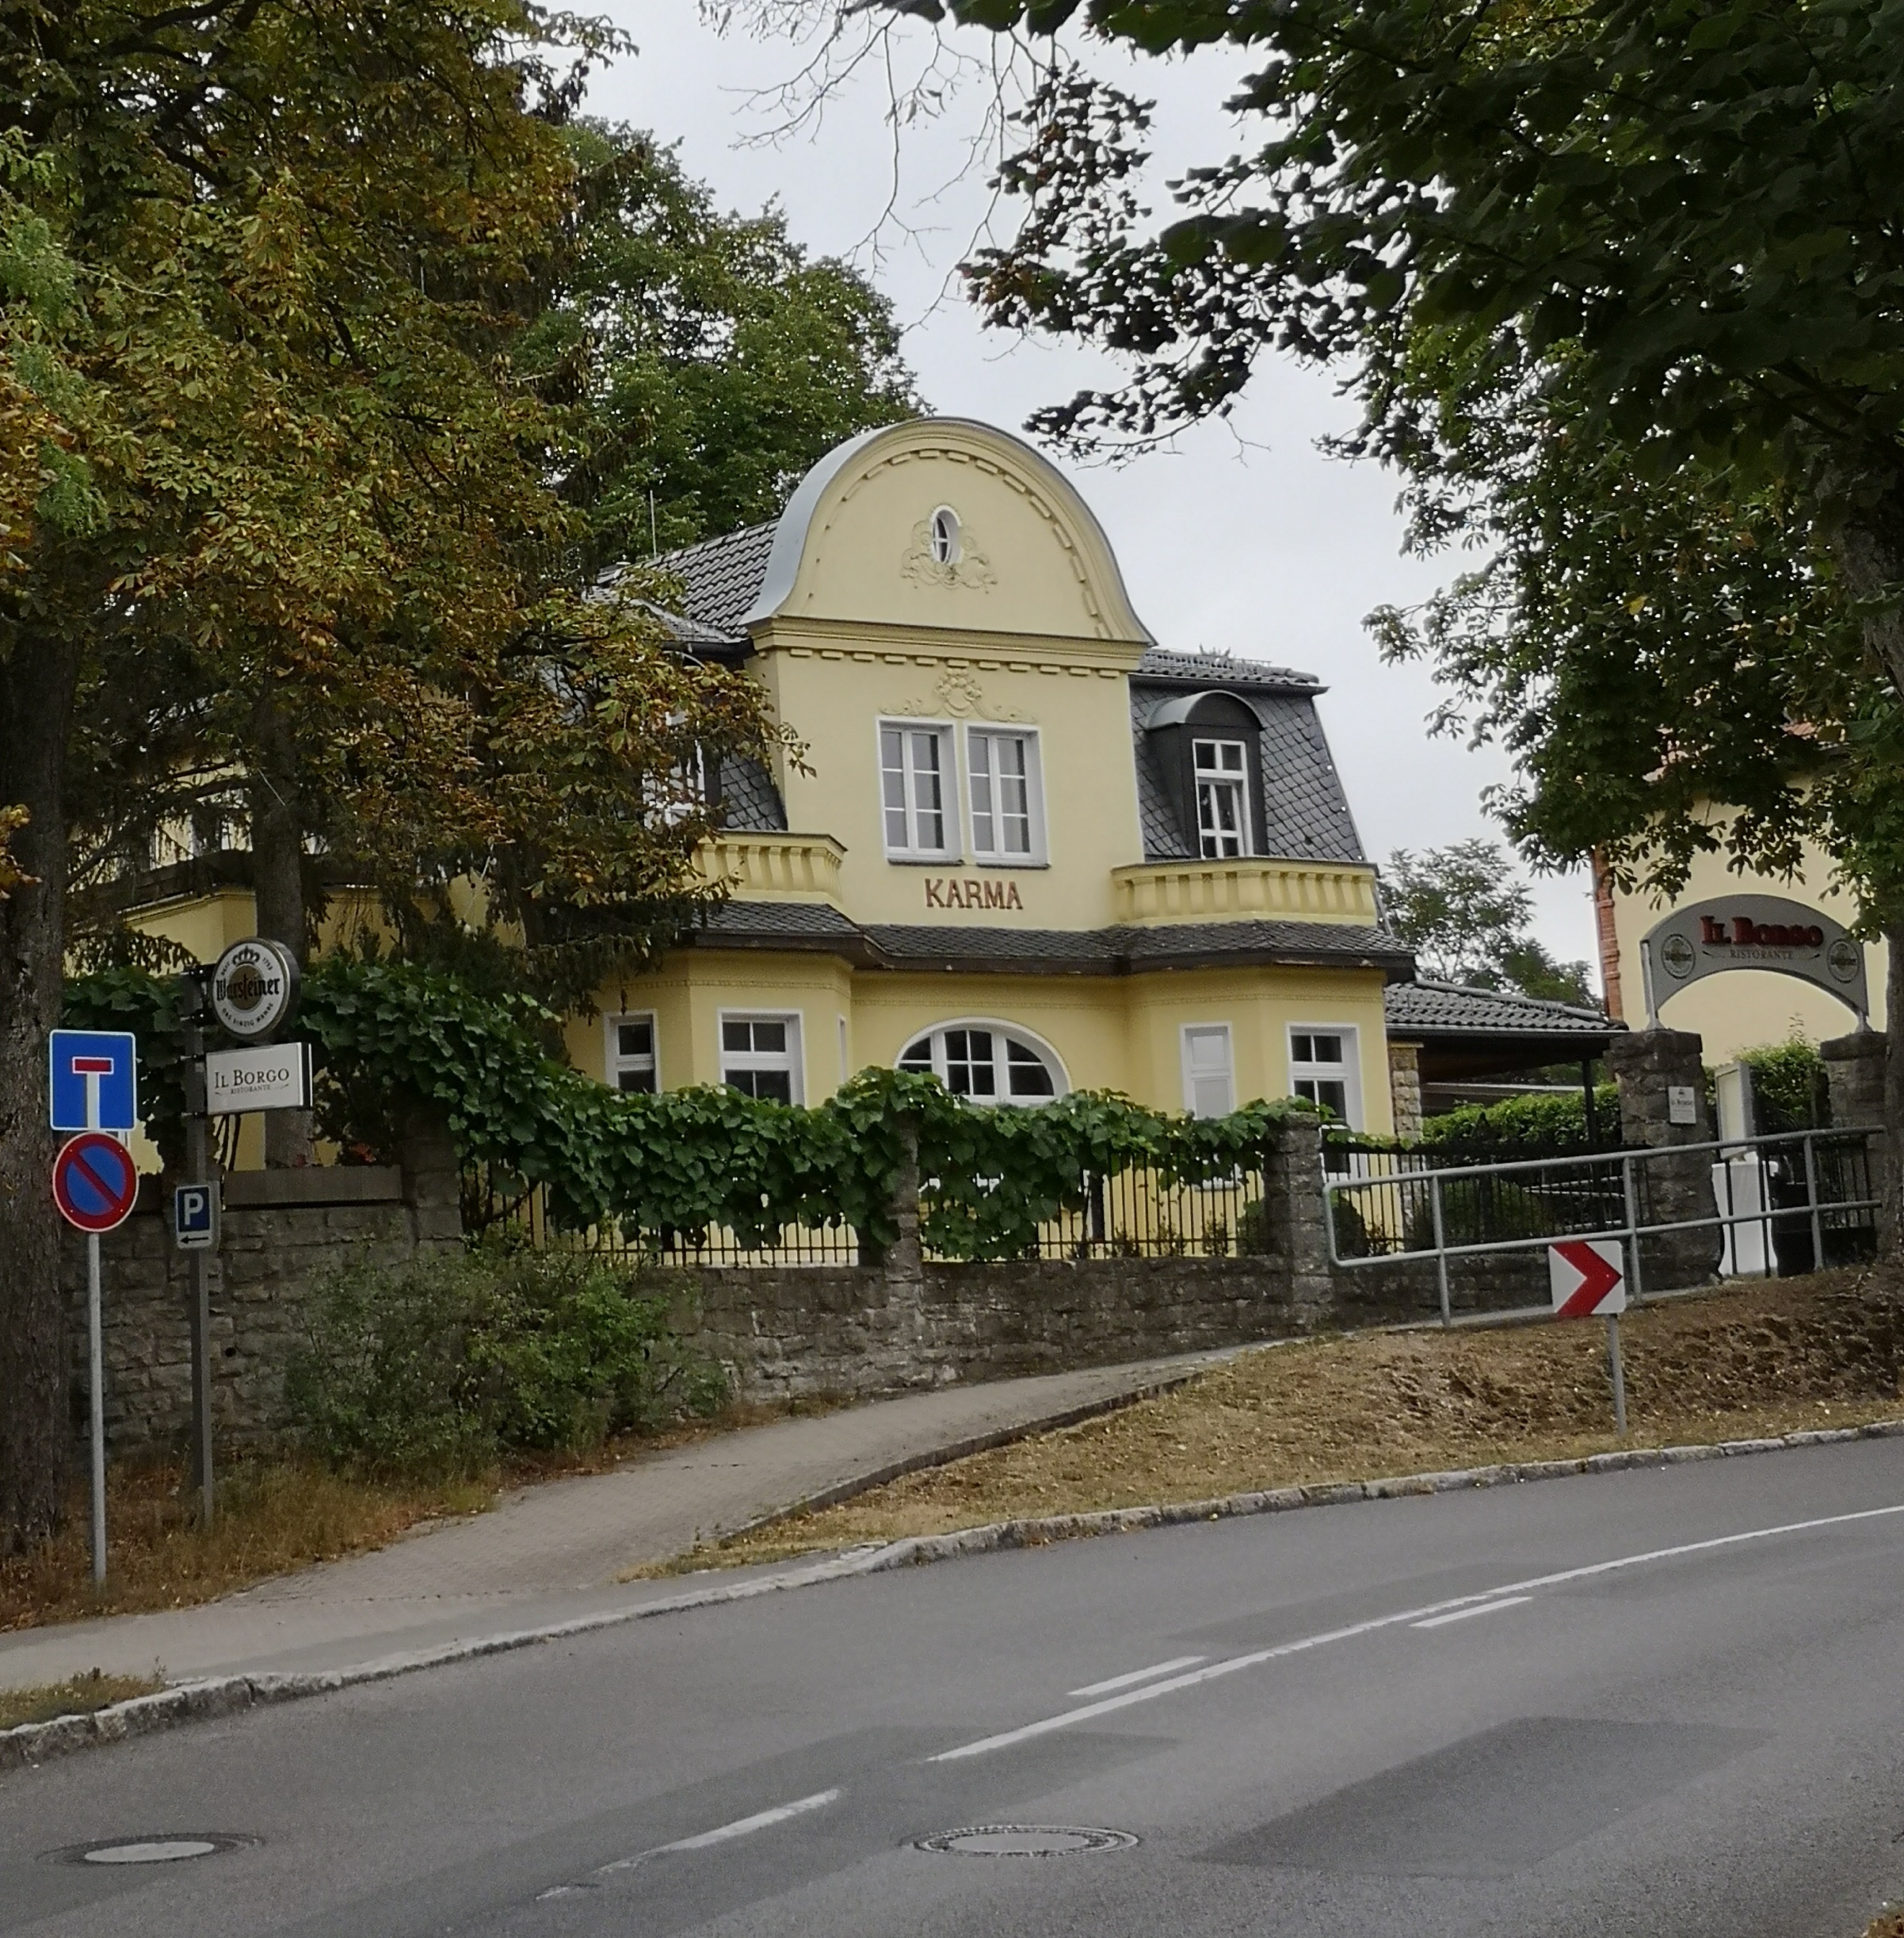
[37,680]
[278,882]
[1891,1186]
[1870,549]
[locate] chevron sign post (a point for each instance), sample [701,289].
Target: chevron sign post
[1588,1279]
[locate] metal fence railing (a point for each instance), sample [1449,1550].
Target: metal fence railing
[1780,1204]
[1129,1213]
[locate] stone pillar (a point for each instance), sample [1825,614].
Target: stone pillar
[1405,1088]
[1295,1226]
[432,1178]
[1660,1075]
[1855,1069]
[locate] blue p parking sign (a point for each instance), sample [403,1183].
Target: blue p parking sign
[195,1218]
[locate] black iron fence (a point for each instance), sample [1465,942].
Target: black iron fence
[1134,1213]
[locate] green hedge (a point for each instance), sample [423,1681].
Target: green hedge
[1560,1119]
[387,1035]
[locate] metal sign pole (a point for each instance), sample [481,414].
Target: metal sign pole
[96,1375]
[192,1044]
[201,1334]
[1620,1376]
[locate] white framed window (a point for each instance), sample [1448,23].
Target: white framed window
[1325,1067]
[919,789]
[760,1056]
[634,1062]
[1221,771]
[988,1062]
[1007,795]
[1209,1071]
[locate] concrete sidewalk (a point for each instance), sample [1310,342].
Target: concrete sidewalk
[550,1553]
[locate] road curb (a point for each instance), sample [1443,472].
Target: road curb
[31,1743]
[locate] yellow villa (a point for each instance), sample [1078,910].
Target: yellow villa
[1033,852]
[1026,848]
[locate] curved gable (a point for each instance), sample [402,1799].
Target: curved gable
[855,543]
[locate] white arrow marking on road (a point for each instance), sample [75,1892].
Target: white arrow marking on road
[1229,1666]
[1137,1675]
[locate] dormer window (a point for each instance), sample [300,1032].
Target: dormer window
[945,536]
[1209,750]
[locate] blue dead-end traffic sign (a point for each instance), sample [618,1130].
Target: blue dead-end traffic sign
[93,1080]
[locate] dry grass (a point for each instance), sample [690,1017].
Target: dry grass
[1737,1364]
[83,1694]
[274,1516]
[1891,1924]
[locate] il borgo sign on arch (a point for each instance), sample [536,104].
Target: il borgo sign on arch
[1752,931]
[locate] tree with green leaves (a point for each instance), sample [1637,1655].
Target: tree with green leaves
[1664,230]
[1465,913]
[713,361]
[280,539]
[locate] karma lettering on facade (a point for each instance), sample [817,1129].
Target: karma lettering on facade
[942,893]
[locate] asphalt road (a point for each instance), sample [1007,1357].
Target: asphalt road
[1505,1712]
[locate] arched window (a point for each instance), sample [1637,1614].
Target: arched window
[988,1062]
[945,536]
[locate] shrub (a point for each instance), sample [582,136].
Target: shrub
[443,1364]
[1789,1086]
[1477,1211]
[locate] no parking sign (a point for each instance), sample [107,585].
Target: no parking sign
[95,1182]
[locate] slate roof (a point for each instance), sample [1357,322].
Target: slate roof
[1223,669]
[722,577]
[750,802]
[1120,951]
[1430,1010]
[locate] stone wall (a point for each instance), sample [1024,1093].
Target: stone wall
[858,1329]
[881,1329]
[281,1230]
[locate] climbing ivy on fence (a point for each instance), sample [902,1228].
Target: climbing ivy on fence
[388,1036]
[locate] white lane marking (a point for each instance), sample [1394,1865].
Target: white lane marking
[701,1841]
[1230,1665]
[1463,1615]
[1137,1675]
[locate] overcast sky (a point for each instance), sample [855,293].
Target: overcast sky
[1242,537]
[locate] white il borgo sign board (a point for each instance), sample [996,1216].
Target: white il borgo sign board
[1588,1277]
[277,1079]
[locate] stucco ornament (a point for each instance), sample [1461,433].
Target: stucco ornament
[958,694]
[971,569]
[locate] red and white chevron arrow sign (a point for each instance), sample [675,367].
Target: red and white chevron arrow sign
[1589,1276]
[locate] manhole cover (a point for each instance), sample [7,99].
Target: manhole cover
[1025,1840]
[171,1848]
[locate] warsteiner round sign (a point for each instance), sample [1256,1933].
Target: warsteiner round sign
[254,988]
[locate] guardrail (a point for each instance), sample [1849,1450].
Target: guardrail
[1400,1213]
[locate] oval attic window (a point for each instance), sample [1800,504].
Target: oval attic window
[945,536]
